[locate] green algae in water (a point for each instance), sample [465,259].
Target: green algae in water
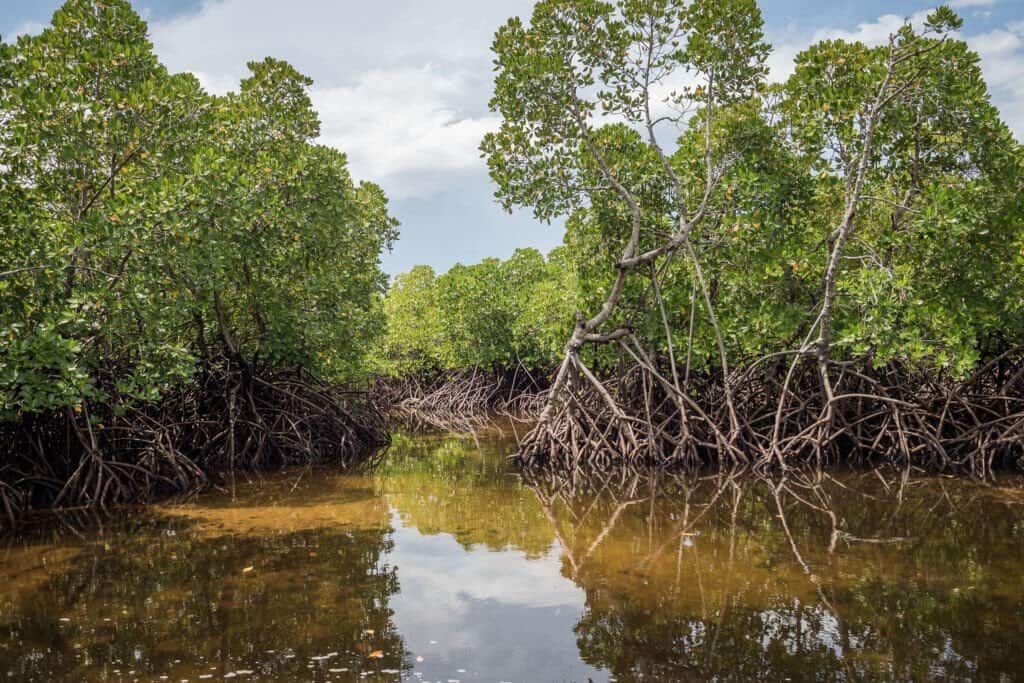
[444,564]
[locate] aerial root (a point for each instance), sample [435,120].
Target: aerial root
[461,401]
[889,415]
[233,419]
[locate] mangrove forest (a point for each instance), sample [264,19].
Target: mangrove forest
[759,415]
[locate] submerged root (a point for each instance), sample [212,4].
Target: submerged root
[233,419]
[891,415]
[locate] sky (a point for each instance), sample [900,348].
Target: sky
[402,87]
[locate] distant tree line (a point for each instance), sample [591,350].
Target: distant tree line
[491,315]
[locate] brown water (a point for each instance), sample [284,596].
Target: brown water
[443,565]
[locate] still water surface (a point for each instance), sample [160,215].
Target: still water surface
[442,564]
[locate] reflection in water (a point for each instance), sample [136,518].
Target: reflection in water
[444,565]
[823,578]
[164,597]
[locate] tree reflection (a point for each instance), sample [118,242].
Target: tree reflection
[460,486]
[808,577]
[169,598]
[812,576]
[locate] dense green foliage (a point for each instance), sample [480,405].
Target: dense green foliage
[900,139]
[491,315]
[147,227]
[867,213]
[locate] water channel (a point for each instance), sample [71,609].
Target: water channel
[441,563]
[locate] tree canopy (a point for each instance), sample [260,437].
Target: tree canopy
[649,126]
[148,227]
[490,315]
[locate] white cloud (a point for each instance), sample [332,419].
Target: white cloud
[29,28]
[218,84]
[401,86]
[1002,61]
[400,127]
[780,61]
[331,41]
[464,585]
[870,33]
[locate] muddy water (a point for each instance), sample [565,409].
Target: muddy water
[442,565]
